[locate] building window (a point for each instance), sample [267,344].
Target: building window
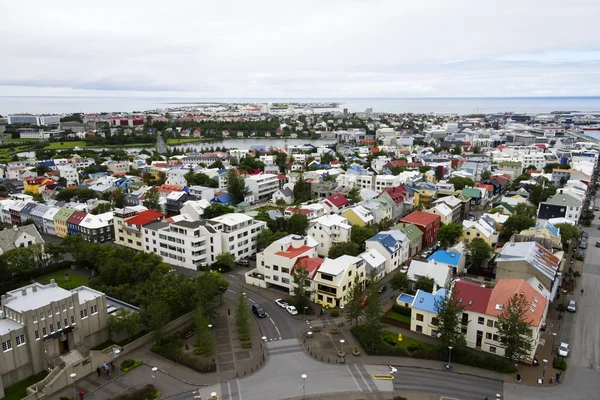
[83,313]
[44,331]
[419,328]
[480,320]
[490,323]
[285,270]
[420,317]
[496,338]
[42,315]
[51,328]
[94,309]
[37,335]
[492,349]
[488,336]
[285,280]
[72,320]
[58,326]
[6,346]
[66,321]
[20,340]
[275,268]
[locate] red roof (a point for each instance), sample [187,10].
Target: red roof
[76,217]
[397,193]
[145,217]
[310,264]
[398,163]
[490,188]
[420,218]
[338,200]
[472,296]
[303,211]
[507,288]
[292,252]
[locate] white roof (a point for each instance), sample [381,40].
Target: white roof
[443,209]
[338,265]
[449,200]
[51,213]
[86,294]
[440,273]
[362,213]
[499,218]
[480,225]
[44,295]
[8,325]
[372,257]
[333,219]
[232,218]
[92,221]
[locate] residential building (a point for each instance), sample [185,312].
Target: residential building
[37,184]
[194,208]
[286,194]
[440,273]
[359,216]
[37,215]
[336,204]
[479,229]
[543,230]
[263,186]
[48,220]
[393,245]
[423,318]
[415,237]
[428,223]
[73,222]
[452,259]
[335,277]
[277,261]
[561,205]
[128,223]
[60,221]
[443,211]
[374,263]
[381,208]
[329,230]
[238,233]
[98,228]
[454,204]
[19,236]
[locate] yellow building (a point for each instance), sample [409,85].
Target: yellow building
[60,221]
[359,216]
[479,229]
[334,279]
[33,185]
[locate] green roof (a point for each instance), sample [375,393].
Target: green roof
[409,230]
[510,163]
[64,214]
[503,204]
[472,192]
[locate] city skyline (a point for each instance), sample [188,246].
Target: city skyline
[382,49]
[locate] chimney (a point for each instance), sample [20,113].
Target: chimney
[15,227]
[52,283]
[24,291]
[3,299]
[34,288]
[435,289]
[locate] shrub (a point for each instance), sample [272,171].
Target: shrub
[245,336]
[334,330]
[335,313]
[397,308]
[247,345]
[560,363]
[147,392]
[316,328]
[561,307]
[64,398]
[131,365]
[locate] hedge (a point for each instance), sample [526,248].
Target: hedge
[560,363]
[466,356]
[406,311]
[395,316]
[170,348]
[148,392]
[128,365]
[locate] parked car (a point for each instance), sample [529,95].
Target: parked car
[292,310]
[584,235]
[572,307]
[581,254]
[563,349]
[258,310]
[598,244]
[404,269]
[243,263]
[381,289]
[281,303]
[597,208]
[583,245]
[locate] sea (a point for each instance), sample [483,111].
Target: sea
[471,105]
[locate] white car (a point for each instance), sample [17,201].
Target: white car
[572,307]
[563,349]
[281,303]
[292,310]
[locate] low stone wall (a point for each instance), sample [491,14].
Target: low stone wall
[254,281]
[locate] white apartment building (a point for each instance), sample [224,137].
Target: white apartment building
[277,261]
[48,220]
[263,186]
[188,244]
[386,181]
[329,230]
[69,172]
[238,234]
[335,277]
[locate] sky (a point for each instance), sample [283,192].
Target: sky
[300,49]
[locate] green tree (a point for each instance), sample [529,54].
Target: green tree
[515,224]
[449,234]
[223,262]
[339,249]
[587,217]
[236,186]
[480,251]
[102,208]
[399,281]
[568,233]
[485,175]
[209,288]
[354,196]
[204,341]
[457,149]
[549,167]
[155,316]
[124,321]
[372,320]
[383,225]
[460,183]
[151,199]
[497,210]
[118,198]
[439,173]
[301,285]
[424,283]
[217,164]
[449,311]
[216,210]
[526,210]
[424,169]
[531,167]
[352,308]
[22,260]
[513,328]
[300,191]
[242,316]
[263,239]
[54,251]
[297,224]
[360,234]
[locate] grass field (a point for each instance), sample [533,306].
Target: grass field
[65,145]
[394,316]
[406,341]
[11,140]
[183,140]
[74,281]
[19,389]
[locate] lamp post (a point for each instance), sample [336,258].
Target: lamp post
[304,386]
[342,341]
[449,357]
[309,334]
[304,311]
[214,395]
[73,375]
[553,339]
[117,352]
[544,376]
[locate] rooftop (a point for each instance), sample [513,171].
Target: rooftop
[472,296]
[420,218]
[145,217]
[446,257]
[32,300]
[338,265]
[426,301]
[232,219]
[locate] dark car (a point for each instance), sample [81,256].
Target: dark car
[381,289]
[597,244]
[258,310]
[581,254]
[597,208]
[583,245]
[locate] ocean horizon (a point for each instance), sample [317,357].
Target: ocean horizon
[450,105]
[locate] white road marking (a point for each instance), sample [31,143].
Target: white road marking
[249,299]
[353,377]
[279,333]
[232,291]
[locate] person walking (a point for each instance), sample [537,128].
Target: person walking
[81,394]
[98,371]
[112,366]
[582,292]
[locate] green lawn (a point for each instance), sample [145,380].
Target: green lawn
[19,389]
[74,281]
[394,316]
[406,341]
[182,140]
[13,140]
[65,145]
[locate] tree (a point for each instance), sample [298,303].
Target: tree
[352,302]
[216,210]
[513,328]
[425,284]
[526,210]
[485,175]
[300,191]
[102,208]
[480,251]
[457,149]
[587,217]
[449,234]
[476,150]
[349,248]
[449,311]
[360,234]
[515,224]
[301,295]
[424,168]
[124,321]
[263,239]
[297,224]
[155,316]
[209,287]
[539,194]
[568,232]
[223,262]
[54,251]
[549,167]
[399,281]
[217,164]
[242,317]
[204,342]
[354,196]
[372,321]
[439,173]
[236,186]
[383,225]
[41,170]
[151,200]
[460,183]
[118,198]
[497,210]
[531,167]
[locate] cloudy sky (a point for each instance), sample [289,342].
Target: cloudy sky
[326,48]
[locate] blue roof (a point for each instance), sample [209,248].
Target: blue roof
[405,298]
[224,198]
[386,240]
[554,230]
[426,301]
[446,257]
[46,163]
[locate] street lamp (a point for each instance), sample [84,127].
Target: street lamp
[304,386]
[117,352]
[545,363]
[305,311]
[342,341]
[73,375]
[553,339]
[449,357]
[309,334]
[214,395]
